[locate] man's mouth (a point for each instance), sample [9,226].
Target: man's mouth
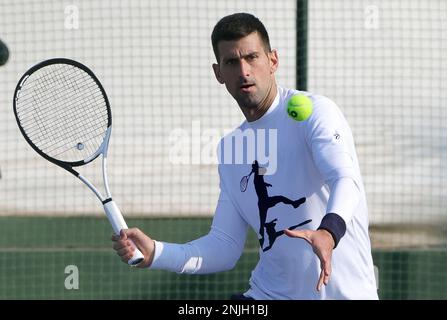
[246,87]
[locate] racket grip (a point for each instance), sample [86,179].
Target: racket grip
[116,219]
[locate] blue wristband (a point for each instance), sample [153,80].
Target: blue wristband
[335,225]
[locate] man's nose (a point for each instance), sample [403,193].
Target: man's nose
[244,68]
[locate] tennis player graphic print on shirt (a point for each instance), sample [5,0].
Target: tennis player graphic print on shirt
[265,202]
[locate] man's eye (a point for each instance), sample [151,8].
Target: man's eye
[252,57]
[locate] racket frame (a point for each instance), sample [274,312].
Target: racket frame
[112,211]
[64,164]
[246,185]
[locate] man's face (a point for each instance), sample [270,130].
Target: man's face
[246,69]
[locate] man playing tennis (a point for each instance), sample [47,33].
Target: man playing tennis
[324,240]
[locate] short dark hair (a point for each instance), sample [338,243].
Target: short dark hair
[237,26]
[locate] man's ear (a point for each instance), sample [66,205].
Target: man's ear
[216,69]
[274,60]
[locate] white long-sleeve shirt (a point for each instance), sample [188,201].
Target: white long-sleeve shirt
[313,159]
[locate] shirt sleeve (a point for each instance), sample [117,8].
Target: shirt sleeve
[217,251]
[344,199]
[330,140]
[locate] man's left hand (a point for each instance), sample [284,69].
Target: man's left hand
[322,244]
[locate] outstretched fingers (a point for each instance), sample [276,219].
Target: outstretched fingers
[325,273]
[303,234]
[321,247]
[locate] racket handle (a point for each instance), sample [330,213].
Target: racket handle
[116,219]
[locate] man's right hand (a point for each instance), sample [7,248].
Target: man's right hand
[125,249]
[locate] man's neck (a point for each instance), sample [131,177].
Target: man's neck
[253,114]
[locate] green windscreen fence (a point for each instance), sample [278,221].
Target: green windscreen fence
[383,62]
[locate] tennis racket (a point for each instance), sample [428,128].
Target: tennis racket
[63,112]
[244,182]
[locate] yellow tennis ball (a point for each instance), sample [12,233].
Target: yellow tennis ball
[299,107]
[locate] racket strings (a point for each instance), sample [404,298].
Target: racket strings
[41,129]
[51,100]
[42,82]
[97,140]
[53,141]
[67,133]
[244,183]
[43,85]
[63,112]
